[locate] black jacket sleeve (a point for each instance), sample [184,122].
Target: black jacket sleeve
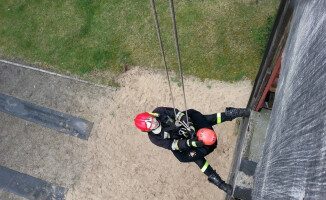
[167,143]
[159,141]
[165,111]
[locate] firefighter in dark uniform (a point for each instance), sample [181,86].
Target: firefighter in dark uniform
[179,135]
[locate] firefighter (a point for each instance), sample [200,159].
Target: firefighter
[179,135]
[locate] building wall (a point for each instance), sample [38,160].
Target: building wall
[293,165]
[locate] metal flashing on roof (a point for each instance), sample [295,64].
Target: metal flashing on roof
[44,116]
[29,187]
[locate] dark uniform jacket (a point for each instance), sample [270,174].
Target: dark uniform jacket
[169,131]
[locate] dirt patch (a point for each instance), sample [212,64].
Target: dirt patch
[121,162]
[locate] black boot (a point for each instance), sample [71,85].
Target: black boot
[237,112]
[216,180]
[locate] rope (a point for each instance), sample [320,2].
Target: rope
[163,54]
[178,53]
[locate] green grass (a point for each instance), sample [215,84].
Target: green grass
[222,39]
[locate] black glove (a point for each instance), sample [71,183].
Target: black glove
[194,142]
[169,122]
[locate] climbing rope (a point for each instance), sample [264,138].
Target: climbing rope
[163,54]
[178,54]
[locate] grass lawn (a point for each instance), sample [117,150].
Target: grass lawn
[219,39]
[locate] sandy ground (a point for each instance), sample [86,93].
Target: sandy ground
[118,161]
[123,164]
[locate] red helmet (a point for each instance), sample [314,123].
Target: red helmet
[206,135]
[142,120]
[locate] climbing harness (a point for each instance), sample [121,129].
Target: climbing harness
[186,125]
